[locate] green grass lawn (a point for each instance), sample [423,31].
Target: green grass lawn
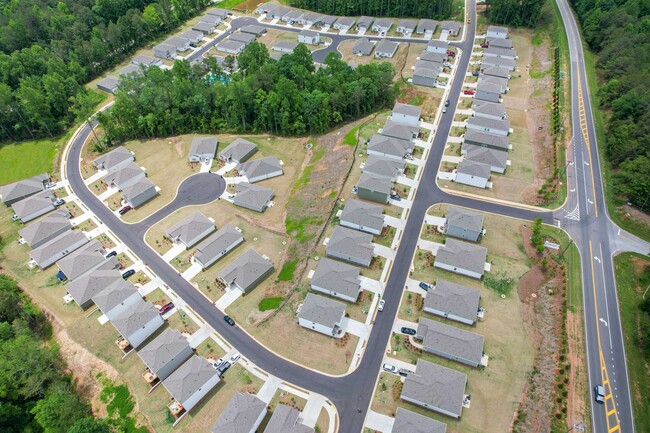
[286,273]
[351,137]
[29,158]
[270,303]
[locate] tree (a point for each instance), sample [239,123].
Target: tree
[89,425]
[59,411]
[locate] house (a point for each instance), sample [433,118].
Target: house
[124,177]
[205,28]
[253,29]
[411,422]
[57,248]
[246,271]
[407,114]
[436,388]
[500,53]
[473,173]
[502,62]
[218,12]
[386,48]
[337,279]
[453,301]
[165,353]
[321,314]
[137,322]
[34,206]
[245,38]
[285,420]
[114,160]
[439,47]
[181,44]
[499,81]
[462,258]
[363,23]
[146,61]
[261,169]
[130,69]
[363,47]
[432,66]
[490,110]
[451,342]
[114,298]
[210,20]
[86,288]
[17,191]
[484,139]
[389,147]
[496,32]
[406,27]
[496,159]
[344,23]
[363,216]
[192,381]
[491,126]
[277,12]
[382,166]
[194,36]
[243,414]
[309,18]
[139,193]
[495,71]
[217,245]
[400,130]
[264,8]
[309,37]
[463,224]
[227,64]
[190,230]
[164,51]
[203,149]
[382,25]
[434,57]
[45,229]
[326,21]
[425,77]
[426,26]
[292,16]
[488,92]
[230,46]
[238,151]
[253,197]
[453,28]
[109,84]
[374,188]
[351,246]
[85,259]
[284,47]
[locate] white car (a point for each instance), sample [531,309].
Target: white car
[235,358]
[380,306]
[390,368]
[217,363]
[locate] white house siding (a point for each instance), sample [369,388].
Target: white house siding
[220,255]
[266,176]
[406,119]
[167,369]
[334,294]
[448,316]
[349,259]
[34,215]
[457,270]
[138,337]
[118,309]
[434,408]
[360,227]
[316,327]
[192,401]
[467,179]
[489,130]
[50,261]
[450,357]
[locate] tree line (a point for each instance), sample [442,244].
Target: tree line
[438,9]
[288,96]
[517,13]
[619,32]
[50,48]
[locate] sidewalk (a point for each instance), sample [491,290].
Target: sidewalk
[226,300]
[173,252]
[398,223]
[267,391]
[378,422]
[371,285]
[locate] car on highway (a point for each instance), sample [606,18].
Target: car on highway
[59,202]
[408,331]
[111,254]
[599,392]
[229,320]
[390,368]
[128,273]
[125,209]
[165,308]
[469,92]
[380,306]
[223,368]
[235,358]
[424,286]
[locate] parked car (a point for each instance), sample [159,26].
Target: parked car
[444,110]
[469,92]
[165,308]
[404,372]
[380,306]
[424,286]
[59,202]
[125,209]
[408,331]
[395,197]
[469,21]
[235,358]
[229,320]
[599,391]
[50,185]
[451,53]
[128,273]
[111,254]
[484,45]
[217,363]
[223,368]
[476,73]
[390,368]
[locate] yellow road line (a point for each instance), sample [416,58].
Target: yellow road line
[585,133]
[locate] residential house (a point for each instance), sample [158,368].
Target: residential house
[337,279]
[389,147]
[488,92]
[124,177]
[450,342]
[285,47]
[146,61]
[453,28]
[407,114]
[502,62]
[321,314]
[131,69]
[191,382]
[86,288]
[500,43]
[374,188]
[227,66]
[382,166]
[406,27]
[425,64]
[351,246]
[436,388]
[426,26]
[217,245]
[326,21]
[434,57]
[165,353]
[473,173]
[210,20]
[425,77]
[194,36]
[463,223]
[238,151]
[46,229]
[499,81]
[114,298]
[164,51]
[309,37]
[309,18]
[285,420]
[247,271]
[114,160]
[137,322]
[495,71]
[491,126]
[500,53]
[344,23]
[34,206]
[109,84]
[264,8]
[85,259]
[218,12]
[490,110]
[139,193]
[205,28]
[382,25]
[253,29]
[462,258]
[484,139]
[364,23]
[203,149]
[411,422]
[400,130]
[292,16]
[496,32]
[362,216]
[243,414]
[245,38]
[22,189]
[363,47]
[386,48]
[230,46]
[453,301]
[57,248]
[253,197]
[439,47]
[496,159]
[190,230]
[180,44]
[277,12]
[261,169]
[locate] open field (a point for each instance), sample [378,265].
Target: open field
[39,153]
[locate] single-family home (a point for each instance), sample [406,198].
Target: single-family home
[489,110]
[245,38]
[374,188]
[451,342]
[432,66]
[344,23]
[364,23]
[17,191]
[502,62]
[115,297]
[389,147]
[309,37]
[165,353]
[382,25]
[124,177]
[146,61]
[181,44]
[326,21]
[463,223]
[337,279]
[247,271]
[137,322]
[351,246]
[484,139]
[210,20]
[261,169]
[488,92]
[309,18]
[194,36]
[33,206]
[109,84]
[285,47]
[425,77]
[190,230]
[45,229]
[490,126]
[473,173]
[264,8]
[495,71]
[434,57]
[277,12]
[203,27]
[321,314]
[426,26]
[230,46]
[85,259]
[439,47]
[131,69]
[453,28]
[253,197]
[411,422]
[114,160]
[139,193]
[57,248]
[406,27]
[190,382]
[382,166]
[496,159]
[363,47]
[218,12]
[285,420]
[217,245]
[203,149]
[238,151]
[164,51]
[497,32]
[453,301]
[85,289]
[499,81]
[366,217]
[292,16]
[386,48]
[253,29]
[227,64]
[407,114]
[462,258]
[436,388]
[243,414]
[400,130]
[500,43]
[500,53]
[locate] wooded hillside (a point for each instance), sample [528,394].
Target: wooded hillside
[438,9]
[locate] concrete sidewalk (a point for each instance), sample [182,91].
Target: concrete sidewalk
[380,250]
[173,252]
[395,222]
[226,300]
[355,327]
[267,391]
[312,409]
[371,285]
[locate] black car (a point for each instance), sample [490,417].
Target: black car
[408,331]
[475,73]
[223,368]
[424,286]
[128,273]
[447,103]
[111,254]
[229,320]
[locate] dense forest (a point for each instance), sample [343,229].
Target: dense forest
[438,9]
[50,48]
[284,97]
[517,13]
[619,32]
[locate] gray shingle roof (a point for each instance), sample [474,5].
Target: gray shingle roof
[24,187]
[130,69]
[82,260]
[229,44]
[337,277]
[141,59]
[33,203]
[240,414]
[427,25]
[454,299]
[498,29]
[399,130]
[382,166]
[165,46]
[499,81]
[217,243]
[133,318]
[187,379]
[486,155]
[203,27]
[238,149]
[88,286]
[406,109]
[365,21]
[254,29]
[361,213]
[488,87]
[498,61]
[246,38]
[500,43]
[345,21]
[425,73]
[451,25]
[473,136]
[463,255]
[177,42]
[162,349]
[363,46]
[436,386]
[113,294]
[285,45]
[377,183]
[189,227]
[203,146]
[351,243]
[430,56]
[496,71]
[498,51]
[451,340]
[308,33]
[218,12]
[321,310]
[111,83]
[407,24]
[389,145]
[387,47]
[490,108]
[285,420]
[246,269]
[210,19]
[432,66]
[260,167]
[113,158]
[434,43]
[192,35]
[473,168]
[124,175]
[137,188]
[252,195]
[383,22]
[41,229]
[464,218]
[411,422]
[56,245]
